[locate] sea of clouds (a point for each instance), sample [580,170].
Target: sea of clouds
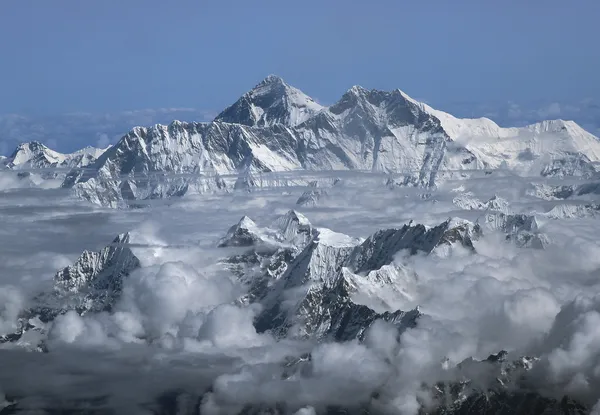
[178,327]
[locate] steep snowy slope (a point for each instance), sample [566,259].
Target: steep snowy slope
[271,102]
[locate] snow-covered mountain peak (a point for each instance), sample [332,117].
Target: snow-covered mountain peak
[408,98]
[35,155]
[335,239]
[246,223]
[34,150]
[382,108]
[294,228]
[271,79]
[357,96]
[244,233]
[357,90]
[271,102]
[292,216]
[29,146]
[289,230]
[276,128]
[92,284]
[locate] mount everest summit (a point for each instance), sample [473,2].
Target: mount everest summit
[275,128]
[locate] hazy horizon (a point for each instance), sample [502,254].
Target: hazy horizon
[67,56]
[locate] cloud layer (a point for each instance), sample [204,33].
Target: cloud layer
[178,327]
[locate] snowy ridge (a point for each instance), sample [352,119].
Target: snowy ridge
[570,211]
[98,272]
[35,155]
[468,201]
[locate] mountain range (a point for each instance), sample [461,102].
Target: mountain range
[309,282]
[276,128]
[342,287]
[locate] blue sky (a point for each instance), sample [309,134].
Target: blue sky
[113,55]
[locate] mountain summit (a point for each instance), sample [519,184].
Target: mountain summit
[35,155]
[271,102]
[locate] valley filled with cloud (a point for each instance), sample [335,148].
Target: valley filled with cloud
[178,330]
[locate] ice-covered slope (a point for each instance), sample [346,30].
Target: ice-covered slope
[271,102]
[273,129]
[553,148]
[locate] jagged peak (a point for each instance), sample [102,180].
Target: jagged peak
[246,223]
[29,146]
[357,90]
[335,239]
[291,221]
[243,234]
[272,80]
[410,99]
[357,96]
[122,238]
[270,102]
[296,216]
